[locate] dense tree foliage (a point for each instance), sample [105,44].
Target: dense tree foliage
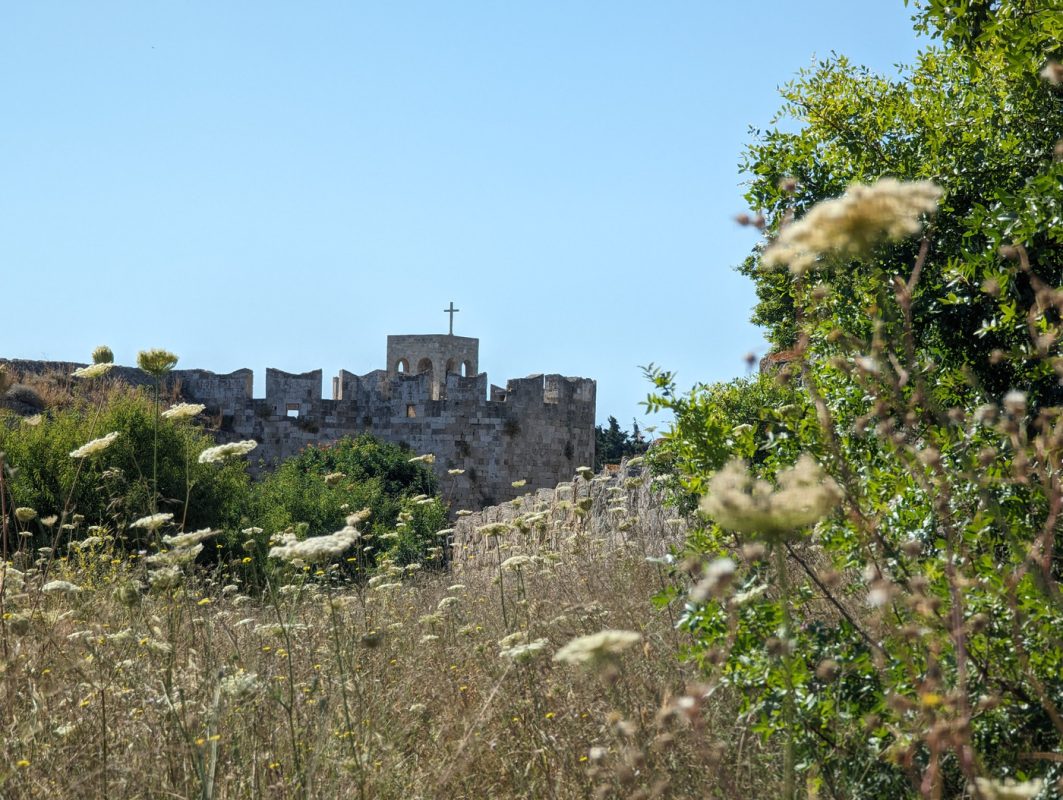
[612,444]
[908,644]
[976,119]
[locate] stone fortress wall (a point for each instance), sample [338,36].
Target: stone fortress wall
[430,398]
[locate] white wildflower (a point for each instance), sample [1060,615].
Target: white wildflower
[1008,789]
[166,578]
[749,595]
[455,472]
[11,579]
[447,602]
[183,411]
[317,548]
[715,581]
[427,458]
[241,685]
[516,562]
[189,539]
[95,447]
[214,455]
[24,514]
[850,225]
[92,371]
[740,502]
[152,522]
[1015,403]
[61,587]
[523,653]
[175,557]
[597,648]
[517,637]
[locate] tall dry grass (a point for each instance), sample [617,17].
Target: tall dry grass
[329,689]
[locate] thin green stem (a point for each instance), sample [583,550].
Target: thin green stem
[155,455]
[787,664]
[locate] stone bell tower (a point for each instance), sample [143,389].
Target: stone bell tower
[438,355]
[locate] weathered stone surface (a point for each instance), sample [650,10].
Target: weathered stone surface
[537,429]
[622,506]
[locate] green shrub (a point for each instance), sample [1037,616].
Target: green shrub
[325,483]
[113,488]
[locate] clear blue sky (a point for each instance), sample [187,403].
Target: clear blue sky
[280,184]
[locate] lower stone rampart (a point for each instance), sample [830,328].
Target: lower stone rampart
[623,506]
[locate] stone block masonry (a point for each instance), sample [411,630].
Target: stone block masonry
[430,398]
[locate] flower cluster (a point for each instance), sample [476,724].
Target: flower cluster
[523,653]
[597,648]
[851,224]
[183,411]
[103,355]
[95,447]
[214,455]
[96,370]
[189,539]
[156,362]
[317,548]
[740,502]
[152,522]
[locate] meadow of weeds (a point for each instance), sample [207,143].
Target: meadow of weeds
[406,683]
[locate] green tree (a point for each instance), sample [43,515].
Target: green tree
[908,645]
[613,444]
[975,118]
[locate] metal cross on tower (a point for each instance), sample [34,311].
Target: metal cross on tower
[452,311]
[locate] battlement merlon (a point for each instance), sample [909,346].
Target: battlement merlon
[289,391]
[549,390]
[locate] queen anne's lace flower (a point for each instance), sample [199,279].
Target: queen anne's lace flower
[317,548]
[95,447]
[516,562]
[152,522]
[189,539]
[183,411]
[156,362]
[740,502]
[214,455]
[523,653]
[61,587]
[1008,789]
[597,647]
[93,371]
[850,225]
